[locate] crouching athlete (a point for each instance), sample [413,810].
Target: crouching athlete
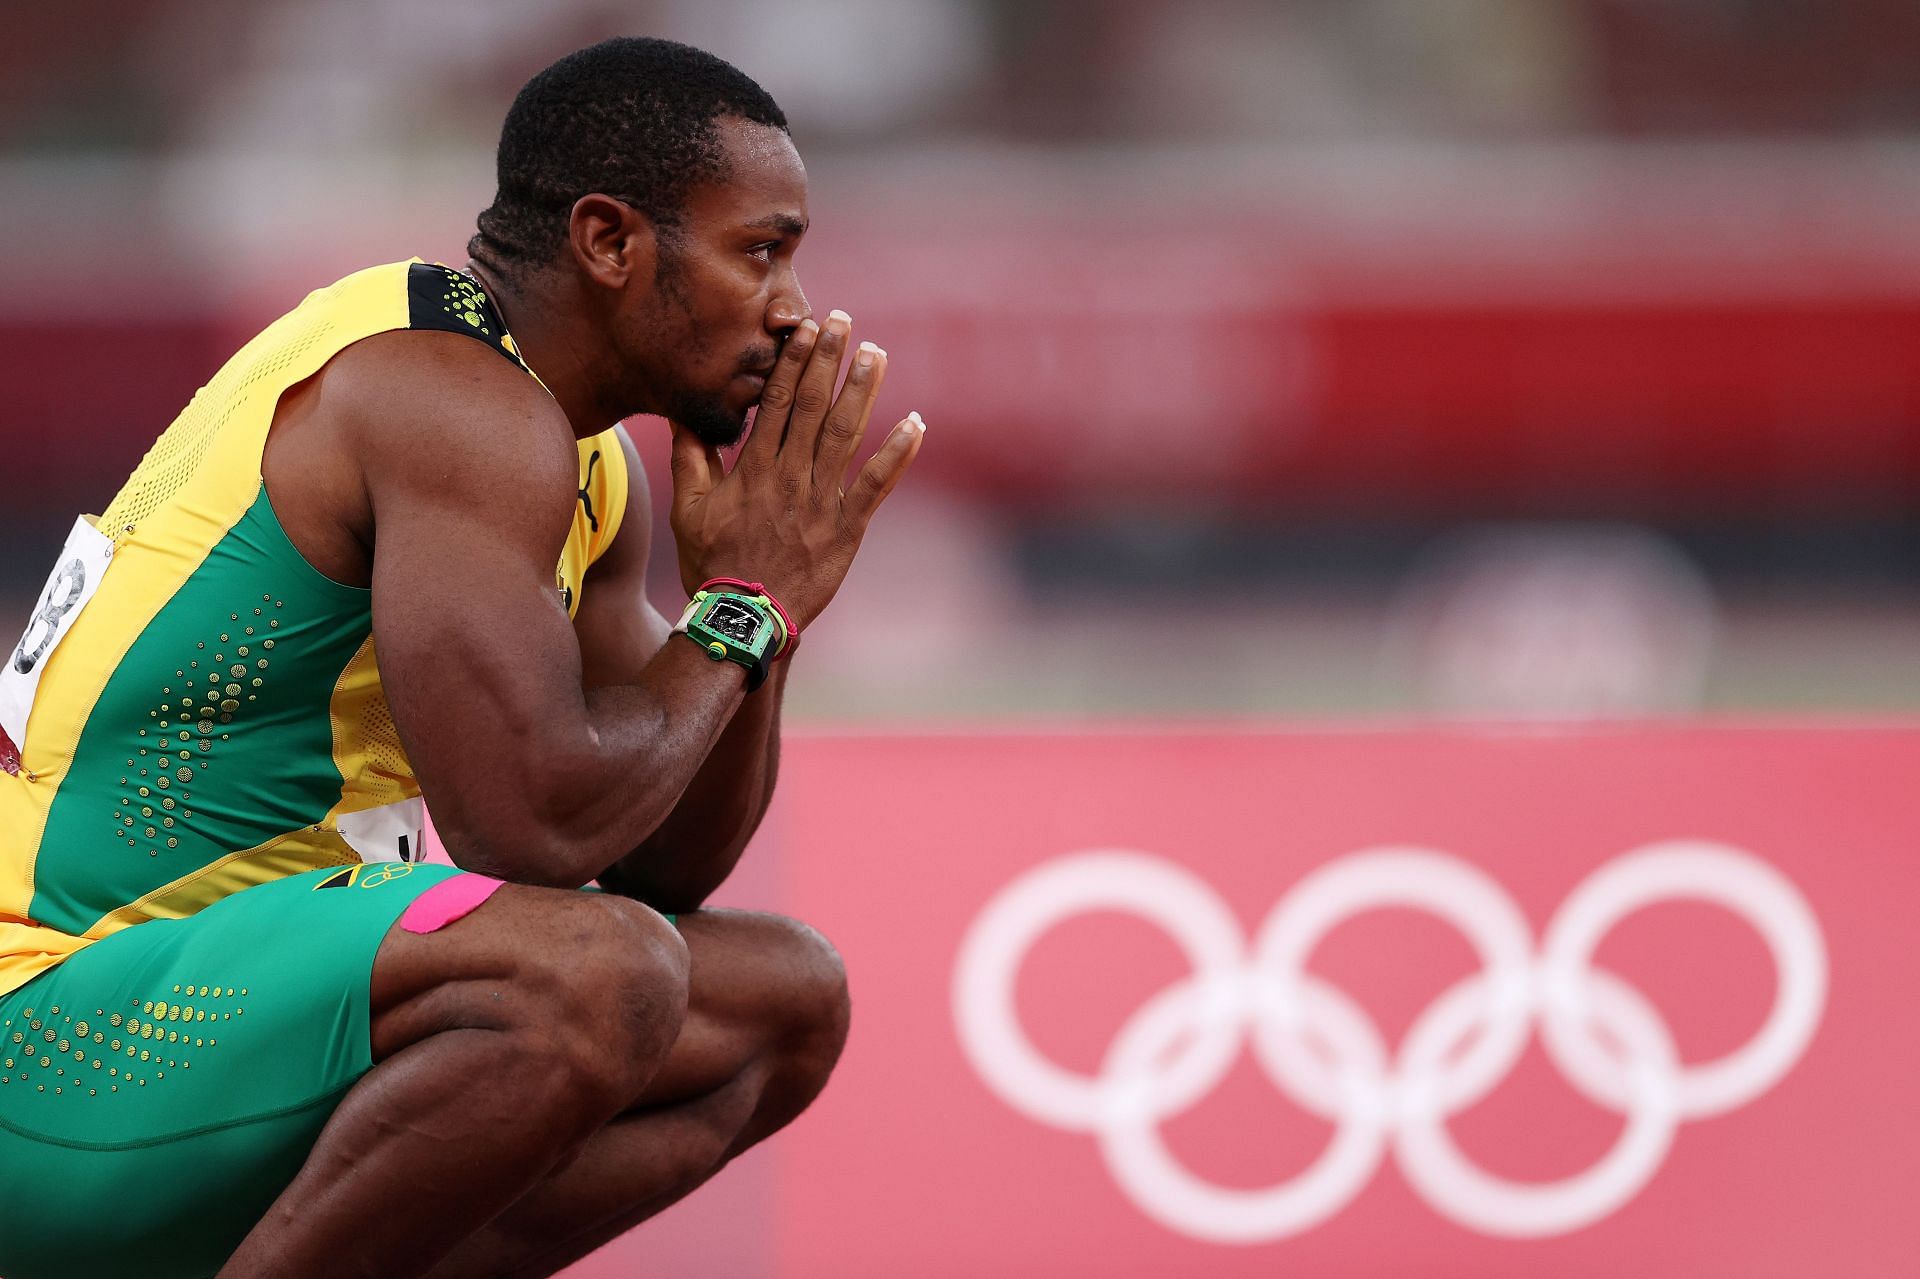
[396,548]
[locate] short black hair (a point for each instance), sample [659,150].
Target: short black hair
[631,117]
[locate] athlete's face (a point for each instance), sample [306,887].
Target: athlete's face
[725,292]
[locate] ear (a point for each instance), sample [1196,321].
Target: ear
[613,242]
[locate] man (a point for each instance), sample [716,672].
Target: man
[241,1029]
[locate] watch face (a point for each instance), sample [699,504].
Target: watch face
[733,620]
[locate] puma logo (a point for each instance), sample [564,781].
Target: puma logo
[586,498]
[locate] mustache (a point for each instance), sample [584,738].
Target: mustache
[761,359]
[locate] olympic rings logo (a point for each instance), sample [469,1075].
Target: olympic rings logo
[385,874]
[1322,1050]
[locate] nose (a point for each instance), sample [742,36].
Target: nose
[788,307]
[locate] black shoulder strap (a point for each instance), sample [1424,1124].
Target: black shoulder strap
[441,298]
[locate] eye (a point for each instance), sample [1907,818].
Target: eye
[764,252]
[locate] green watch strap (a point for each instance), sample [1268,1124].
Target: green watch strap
[732,628]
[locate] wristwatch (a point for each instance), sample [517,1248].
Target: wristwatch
[732,628]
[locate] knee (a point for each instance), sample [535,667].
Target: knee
[811,1006]
[615,988]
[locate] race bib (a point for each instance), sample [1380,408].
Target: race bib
[389,833]
[76,577]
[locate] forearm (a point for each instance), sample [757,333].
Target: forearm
[590,792]
[694,850]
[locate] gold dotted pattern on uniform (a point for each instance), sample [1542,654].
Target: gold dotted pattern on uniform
[68,1052]
[381,739]
[199,710]
[462,299]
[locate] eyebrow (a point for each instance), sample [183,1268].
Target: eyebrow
[784,223]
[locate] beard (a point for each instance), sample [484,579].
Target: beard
[705,413]
[711,421]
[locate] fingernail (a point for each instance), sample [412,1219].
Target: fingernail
[915,420]
[864,357]
[846,321]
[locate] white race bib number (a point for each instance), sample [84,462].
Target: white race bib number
[76,577]
[390,833]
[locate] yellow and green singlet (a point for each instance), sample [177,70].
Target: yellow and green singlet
[214,718]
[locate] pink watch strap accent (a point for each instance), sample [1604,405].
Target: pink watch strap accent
[793,632]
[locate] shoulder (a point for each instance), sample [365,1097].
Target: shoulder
[436,415]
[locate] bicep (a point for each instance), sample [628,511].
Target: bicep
[618,628]
[476,656]
[475,652]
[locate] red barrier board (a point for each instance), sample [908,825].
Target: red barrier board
[1434,1002]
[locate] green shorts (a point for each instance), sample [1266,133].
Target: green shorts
[159,1089]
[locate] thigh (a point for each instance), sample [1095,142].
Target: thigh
[160,1087]
[506,954]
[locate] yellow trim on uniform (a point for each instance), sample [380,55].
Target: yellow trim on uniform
[603,503]
[366,745]
[27,949]
[613,491]
[289,854]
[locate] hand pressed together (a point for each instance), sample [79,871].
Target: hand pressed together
[782,517]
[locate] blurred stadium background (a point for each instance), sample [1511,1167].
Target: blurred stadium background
[1483,355]
[1313,359]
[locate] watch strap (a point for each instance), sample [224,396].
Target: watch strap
[789,633]
[720,646]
